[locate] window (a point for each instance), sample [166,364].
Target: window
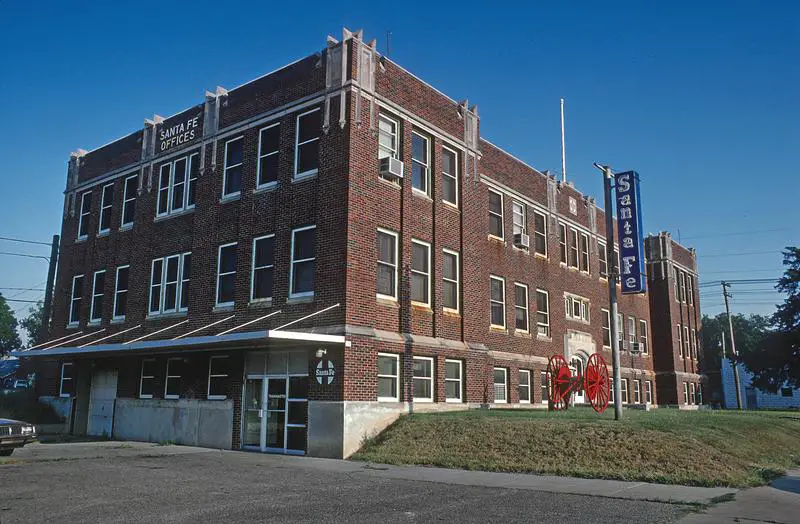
[423,379]
[602,257]
[178,180]
[172,383]
[521,307]
[106,204]
[611,392]
[218,377]
[75,301]
[606,328]
[690,289]
[261,278]
[121,293]
[648,392]
[450,280]
[562,242]
[692,396]
[519,224]
[694,344]
[453,373]
[232,173]
[420,163]
[226,275]
[387,264]
[497,301]
[524,386]
[306,150]
[584,262]
[169,284]
[615,262]
[449,176]
[268,152]
[683,287]
[686,342]
[573,248]
[495,214]
[147,378]
[631,332]
[680,341]
[304,262]
[624,390]
[699,393]
[577,308]
[685,392]
[542,313]
[129,199]
[787,392]
[387,141]
[620,329]
[637,391]
[543,387]
[67,388]
[420,272]
[540,233]
[83,218]
[388,380]
[98,287]
[500,388]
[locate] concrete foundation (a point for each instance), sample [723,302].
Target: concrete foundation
[201,423]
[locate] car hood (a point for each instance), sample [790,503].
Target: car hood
[9,421]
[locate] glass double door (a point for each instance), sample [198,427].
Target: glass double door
[276,413]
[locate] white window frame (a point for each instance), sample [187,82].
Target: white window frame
[430,379]
[262,155]
[680,340]
[546,313]
[689,289]
[117,292]
[390,153]
[687,342]
[606,315]
[297,144]
[162,289]
[501,302]
[694,343]
[95,294]
[624,391]
[676,273]
[505,385]
[127,198]
[292,263]
[584,258]
[520,385]
[427,275]
[563,244]
[526,308]
[602,259]
[519,211]
[395,266]
[453,176]
[217,303]
[211,359]
[648,391]
[501,215]
[427,190]
[544,388]
[574,236]
[103,206]
[644,338]
[167,378]
[84,215]
[540,234]
[686,393]
[61,393]
[460,381]
[188,182]
[142,376]
[692,394]
[683,287]
[584,307]
[253,269]
[75,322]
[396,397]
[226,167]
[637,391]
[457,281]
[620,329]
[631,331]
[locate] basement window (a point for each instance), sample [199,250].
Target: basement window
[500,385]
[172,383]
[423,379]
[453,372]
[218,377]
[147,378]
[388,379]
[524,386]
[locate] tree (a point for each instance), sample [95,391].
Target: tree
[9,339]
[778,361]
[33,322]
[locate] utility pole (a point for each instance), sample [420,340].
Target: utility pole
[44,329]
[612,291]
[725,294]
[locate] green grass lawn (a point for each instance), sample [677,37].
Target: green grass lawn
[701,448]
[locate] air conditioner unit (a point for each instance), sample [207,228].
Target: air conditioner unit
[636,348]
[391,167]
[522,240]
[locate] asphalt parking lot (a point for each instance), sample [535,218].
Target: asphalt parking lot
[127,482]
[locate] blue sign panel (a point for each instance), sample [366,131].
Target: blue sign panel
[629,227]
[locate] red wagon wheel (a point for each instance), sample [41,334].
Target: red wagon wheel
[596,382]
[558,382]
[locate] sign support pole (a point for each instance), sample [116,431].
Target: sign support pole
[612,291]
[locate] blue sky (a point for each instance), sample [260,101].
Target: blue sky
[701,98]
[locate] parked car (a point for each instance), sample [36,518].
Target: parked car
[15,434]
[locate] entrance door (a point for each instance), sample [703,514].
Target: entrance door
[576,366]
[275,414]
[101,403]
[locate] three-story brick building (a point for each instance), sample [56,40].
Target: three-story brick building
[293,263]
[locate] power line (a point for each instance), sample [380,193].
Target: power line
[740,254]
[25,241]
[20,300]
[24,255]
[740,233]
[740,271]
[21,289]
[740,281]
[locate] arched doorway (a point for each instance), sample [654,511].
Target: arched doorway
[576,365]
